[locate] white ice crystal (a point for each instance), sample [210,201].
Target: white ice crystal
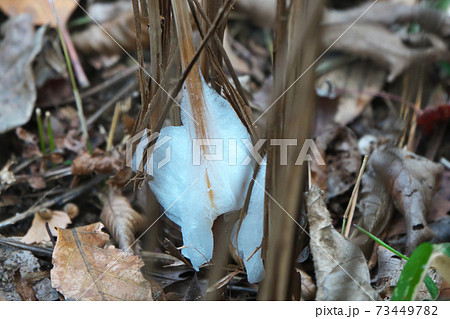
[251,231]
[195,195]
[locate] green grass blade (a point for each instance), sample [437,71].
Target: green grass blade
[379,241]
[414,273]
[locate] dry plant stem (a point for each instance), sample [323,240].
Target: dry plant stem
[297,44]
[61,199]
[227,61]
[156,53]
[174,92]
[76,93]
[413,121]
[212,8]
[348,215]
[404,111]
[194,86]
[140,52]
[79,72]
[192,63]
[155,35]
[193,83]
[161,97]
[115,119]
[245,113]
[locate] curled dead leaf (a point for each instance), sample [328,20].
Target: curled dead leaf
[98,162]
[121,219]
[412,181]
[337,261]
[96,272]
[30,148]
[375,208]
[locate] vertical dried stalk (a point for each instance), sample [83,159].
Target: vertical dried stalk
[292,117]
[212,7]
[140,52]
[235,96]
[194,86]
[413,122]
[155,55]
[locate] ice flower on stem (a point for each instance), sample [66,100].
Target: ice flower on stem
[193,189]
[199,170]
[249,238]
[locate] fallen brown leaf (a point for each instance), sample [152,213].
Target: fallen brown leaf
[40,10]
[375,208]
[337,261]
[18,47]
[84,269]
[384,47]
[38,232]
[98,162]
[412,181]
[356,83]
[121,219]
[30,148]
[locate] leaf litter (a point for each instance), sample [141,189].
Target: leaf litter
[86,268]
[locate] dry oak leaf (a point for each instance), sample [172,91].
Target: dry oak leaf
[98,161]
[412,181]
[85,270]
[40,10]
[121,219]
[375,206]
[38,232]
[338,262]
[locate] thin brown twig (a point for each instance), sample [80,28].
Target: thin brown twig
[348,215]
[64,198]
